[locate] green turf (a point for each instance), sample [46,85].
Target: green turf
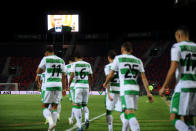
[24,112]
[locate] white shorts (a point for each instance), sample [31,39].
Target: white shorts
[129,102]
[115,104]
[80,96]
[184,102]
[52,97]
[187,105]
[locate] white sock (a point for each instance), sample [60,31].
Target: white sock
[122,117]
[181,126]
[50,107]
[134,125]
[54,116]
[72,113]
[58,110]
[126,125]
[86,113]
[78,116]
[48,115]
[109,120]
[192,127]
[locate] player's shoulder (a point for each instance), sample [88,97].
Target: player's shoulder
[84,62]
[132,56]
[178,44]
[67,66]
[108,65]
[183,43]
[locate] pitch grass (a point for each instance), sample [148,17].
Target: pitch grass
[24,113]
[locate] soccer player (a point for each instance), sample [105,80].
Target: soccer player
[183,65]
[113,100]
[68,73]
[55,79]
[129,68]
[82,73]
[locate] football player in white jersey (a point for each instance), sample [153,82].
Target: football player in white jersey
[113,100]
[71,90]
[183,65]
[81,72]
[54,68]
[129,68]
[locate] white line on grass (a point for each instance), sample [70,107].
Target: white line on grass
[168,104]
[94,118]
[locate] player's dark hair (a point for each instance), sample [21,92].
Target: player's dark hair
[111,54]
[184,29]
[50,48]
[128,46]
[78,54]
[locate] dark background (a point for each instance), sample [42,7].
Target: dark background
[161,17]
[100,16]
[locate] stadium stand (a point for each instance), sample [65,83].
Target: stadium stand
[156,68]
[2,62]
[28,67]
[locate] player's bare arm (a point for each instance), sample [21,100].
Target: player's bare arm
[70,79]
[169,76]
[145,82]
[108,92]
[37,78]
[64,83]
[108,78]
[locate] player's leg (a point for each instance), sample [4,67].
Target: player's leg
[130,104]
[50,107]
[118,108]
[77,107]
[46,112]
[54,112]
[125,123]
[71,97]
[109,107]
[56,99]
[71,119]
[43,105]
[58,111]
[85,109]
[188,108]
[109,120]
[174,110]
[189,120]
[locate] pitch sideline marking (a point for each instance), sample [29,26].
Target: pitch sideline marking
[97,117]
[165,102]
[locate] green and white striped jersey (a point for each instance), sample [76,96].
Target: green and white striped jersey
[81,70]
[54,67]
[129,67]
[43,78]
[67,71]
[115,82]
[185,54]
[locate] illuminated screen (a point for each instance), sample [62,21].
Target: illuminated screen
[57,21]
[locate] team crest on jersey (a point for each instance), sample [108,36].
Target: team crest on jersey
[174,109]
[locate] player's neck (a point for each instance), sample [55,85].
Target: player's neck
[49,54]
[110,61]
[126,53]
[184,39]
[80,59]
